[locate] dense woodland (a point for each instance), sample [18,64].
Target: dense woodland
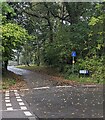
[47,33]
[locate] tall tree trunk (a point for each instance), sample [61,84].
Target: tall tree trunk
[50,27]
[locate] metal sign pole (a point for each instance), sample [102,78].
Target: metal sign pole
[73,66]
[73,54]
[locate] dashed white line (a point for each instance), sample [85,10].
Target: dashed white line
[23,108]
[23,89]
[63,86]
[39,88]
[8,104]
[88,85]
[7,100]
[27,113]
[7,95]
[19,100]
[17,96]
[16,93]
[15,90]
[10,108]
[21,103]
[6,91]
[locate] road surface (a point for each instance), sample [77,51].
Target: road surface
[43,99]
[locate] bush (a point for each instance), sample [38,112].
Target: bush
[95,66]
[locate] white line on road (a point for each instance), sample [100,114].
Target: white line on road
[15,90]
[6,91]
[27,113]
[7,100]
[63,86]
[40,88]
[23,108]
[16,93]
[17,96]
[10,108]
[19,100]
[6,95]
[8,104]
[21,103]
[88,85]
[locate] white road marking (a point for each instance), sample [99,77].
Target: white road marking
[6,91]
[21,103]
[10,108]
[17,96]
[19,100]
[23,89]
[16,93]
[11,90]
[39,88]
[15,90]
[7,100]
[63,86]
[27,113]
[23,108]
[89,85]
[7,95]
[8,104]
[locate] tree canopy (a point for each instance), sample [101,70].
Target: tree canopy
[57,30]
[13,35]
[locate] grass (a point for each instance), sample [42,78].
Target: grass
[7,83]
[83,79]
[8,80]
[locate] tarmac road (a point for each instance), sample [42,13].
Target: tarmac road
[46,100]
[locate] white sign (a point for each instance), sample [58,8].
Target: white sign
[83,71]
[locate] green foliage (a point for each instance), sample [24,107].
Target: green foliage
[51,56]
[59,28]
[7,11]
[8,83]
[13,37]
[96,67]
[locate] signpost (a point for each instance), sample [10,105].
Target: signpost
[73,54]
[84,72]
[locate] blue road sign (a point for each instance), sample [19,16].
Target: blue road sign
[73,54]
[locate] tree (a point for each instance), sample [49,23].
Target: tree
[13,36]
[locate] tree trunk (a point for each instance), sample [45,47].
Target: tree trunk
[50,27]
[18,57]
[5,64]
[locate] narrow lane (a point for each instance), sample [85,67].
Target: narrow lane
[49,101]
[33,79]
